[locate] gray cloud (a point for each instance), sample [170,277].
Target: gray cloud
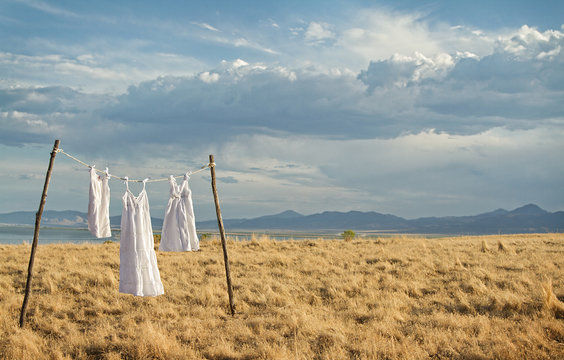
[386,73]
[516,86]
[49,100]
[455,93]
[408,175]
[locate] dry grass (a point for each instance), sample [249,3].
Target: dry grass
[387,298]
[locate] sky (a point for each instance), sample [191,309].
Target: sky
[412,108]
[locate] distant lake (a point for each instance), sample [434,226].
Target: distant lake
[49,235]
[18,234]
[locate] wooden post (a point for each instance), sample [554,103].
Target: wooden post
[222,234]
[36,233]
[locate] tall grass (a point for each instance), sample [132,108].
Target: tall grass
[388,298]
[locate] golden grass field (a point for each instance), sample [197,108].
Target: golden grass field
[381,298]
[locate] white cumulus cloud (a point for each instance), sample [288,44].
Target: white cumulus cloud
[208,77]
[318,32]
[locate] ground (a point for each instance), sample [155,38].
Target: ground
[377,298]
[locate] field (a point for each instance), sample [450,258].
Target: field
[380,298]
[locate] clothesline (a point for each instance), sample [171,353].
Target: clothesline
[124,178]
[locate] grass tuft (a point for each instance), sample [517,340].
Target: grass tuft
[501,246]
[485,247]
[551,302]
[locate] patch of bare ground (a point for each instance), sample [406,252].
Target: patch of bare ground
[381,298]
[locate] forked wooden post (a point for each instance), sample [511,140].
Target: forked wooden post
[222,234]
[36,233]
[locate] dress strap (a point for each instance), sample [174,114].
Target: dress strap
[187,175]
[144,182]
[126,181]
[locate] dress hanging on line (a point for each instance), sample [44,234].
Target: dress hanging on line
[138,271]
[99,205]
[179,225]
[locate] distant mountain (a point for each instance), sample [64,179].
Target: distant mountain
[329,220]
[526,219]
[529,209]
[497,212]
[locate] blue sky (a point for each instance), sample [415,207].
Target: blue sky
[415,108]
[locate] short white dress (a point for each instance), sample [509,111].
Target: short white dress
[138,271]
[99,205]
[179,225]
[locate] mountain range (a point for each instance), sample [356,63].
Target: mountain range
[526,219]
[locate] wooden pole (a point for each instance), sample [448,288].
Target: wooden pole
[36,233]
[222,234]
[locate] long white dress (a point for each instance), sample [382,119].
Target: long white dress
[179,225]
[138,271]
[99,205]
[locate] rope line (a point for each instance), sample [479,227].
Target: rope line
[124,178]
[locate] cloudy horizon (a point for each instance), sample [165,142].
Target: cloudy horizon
[409,108]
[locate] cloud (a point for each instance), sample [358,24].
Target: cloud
[39,115]
[239,98]
[530,43]
[57,64]
[241,42]
[208,77]
[401,70]
[407,175]
[509,85]
[20,128]
[205,26]
[32,177]
[379,34]
[49,101]
[459,93]
[48,8]
[318,32]
[512,83]
[109,72]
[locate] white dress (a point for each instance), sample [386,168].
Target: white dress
[179,225]
[138,271]
[99,205]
